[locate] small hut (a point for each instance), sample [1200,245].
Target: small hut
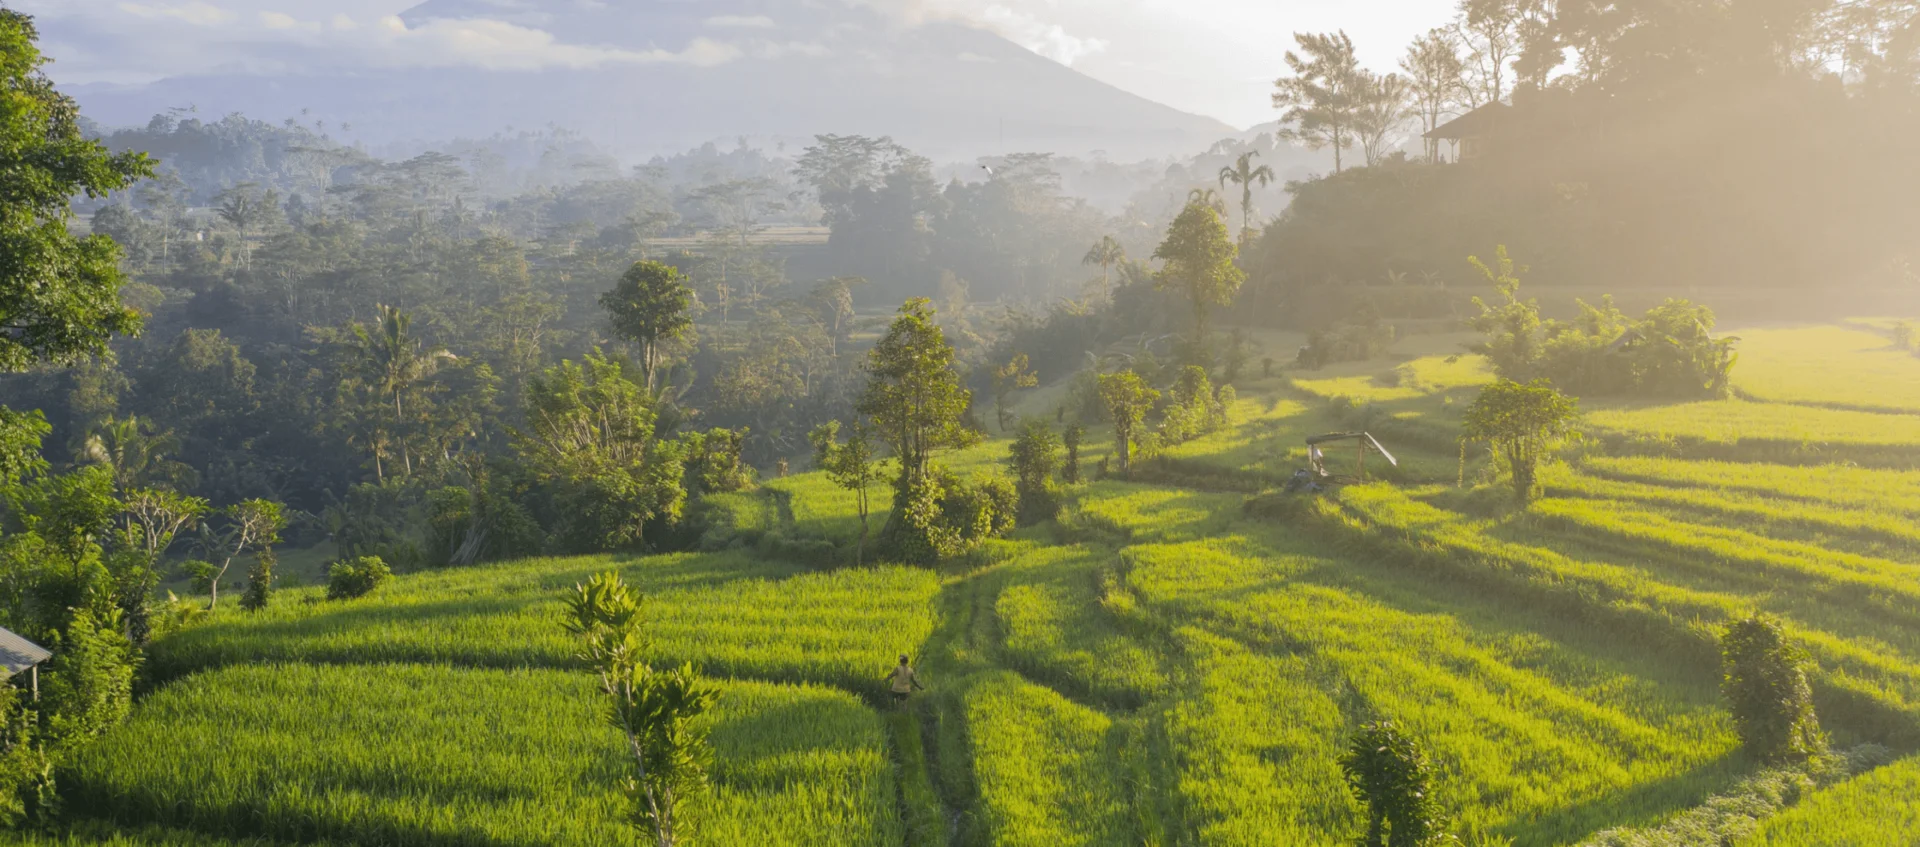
[18,654]
[1472,133]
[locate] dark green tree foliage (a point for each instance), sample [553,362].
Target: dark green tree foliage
[1523,424]
[950,516]
[1071,439]
[1390,774]
[59,294]
[87,687]
[649,307]
[477,523]
[917,404]
[259,580]
[658,711]
[1765,682]
[251,525]
[26,768]
[1036,456]
[1192,410]
[1127,399]
[358,577]
[714,463]
[1199,254]
[1670,352]
[590,437]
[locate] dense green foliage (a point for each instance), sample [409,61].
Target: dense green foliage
[1767,691]
[1523,424]
[358,577]
[1389,772]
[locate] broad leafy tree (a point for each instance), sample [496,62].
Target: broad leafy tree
[1523,424]
[59,294]
[1127,400]
[914,395]
[1199,256]
[650,307]
[1035,455]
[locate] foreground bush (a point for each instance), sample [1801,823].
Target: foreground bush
[356,577]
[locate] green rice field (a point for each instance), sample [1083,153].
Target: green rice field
[1179,659]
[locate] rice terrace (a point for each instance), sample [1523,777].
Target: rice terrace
[1529,473]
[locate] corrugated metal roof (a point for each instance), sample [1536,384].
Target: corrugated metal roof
[17,654]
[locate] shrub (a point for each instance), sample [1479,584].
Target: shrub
[259,581]
[352,578]
[1765,683]
[713,463]
[1192,410]
[1036,454]
[88,685]
[943,516]
[1389,772]
[1523,424]
[1903,335]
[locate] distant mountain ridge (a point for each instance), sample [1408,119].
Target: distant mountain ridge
[687,73]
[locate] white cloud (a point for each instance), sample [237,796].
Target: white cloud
[741,21]
[284,21]
[196,13]
[503,46]
[1048,39]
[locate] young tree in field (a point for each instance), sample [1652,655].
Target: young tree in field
[915,400]
[1512,326]
[1106,253]
[649,307]
[1523,424]
[1128,400]
[852,465]
[151,521]
[1434,74]
[59,294]
[259,580]
[1199,256]
[251,525]
[1389,772]
[1008,378]
[1245,175]
[1321,97]
[1765,683]
[656,710]
[1071,439]
[1036,455]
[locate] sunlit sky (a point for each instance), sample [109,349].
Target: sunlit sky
[1211,57]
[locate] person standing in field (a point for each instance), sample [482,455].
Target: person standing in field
[904,681]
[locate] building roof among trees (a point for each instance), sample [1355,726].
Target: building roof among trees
[1475,124]
[17,654]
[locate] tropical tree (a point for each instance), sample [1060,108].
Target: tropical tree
[1321,98]
[1389,772]
[1765,682]
[59,293]
[131,448]
[1245,175]
[1199,256]
[1035,455]
[853,465]
[245,208]
[914,396]
[1008,378]
[1523,424]
[657,710]
[650,307]
[1106,253]
[394,364]
[1491,29]
[1127,400]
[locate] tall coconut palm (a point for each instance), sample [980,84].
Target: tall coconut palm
[1106,253]
[129,447]
[1245,175]
[392,362]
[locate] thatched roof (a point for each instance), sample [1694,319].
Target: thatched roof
[17,654]
[1478,123]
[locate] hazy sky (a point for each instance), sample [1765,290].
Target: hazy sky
[1213,57]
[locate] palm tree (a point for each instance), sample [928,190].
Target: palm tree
[392,362]
[129,447]
[1106,253]
[1244,174]
[243,209]
[1207,197]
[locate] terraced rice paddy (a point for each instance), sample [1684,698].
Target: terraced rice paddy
[1179,660]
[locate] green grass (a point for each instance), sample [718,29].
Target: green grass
[1880,809]
[1761,426]
[1828,366]
[733,613]
[435,755]
[1045,767]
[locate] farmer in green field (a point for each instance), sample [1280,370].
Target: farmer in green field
[904,681]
